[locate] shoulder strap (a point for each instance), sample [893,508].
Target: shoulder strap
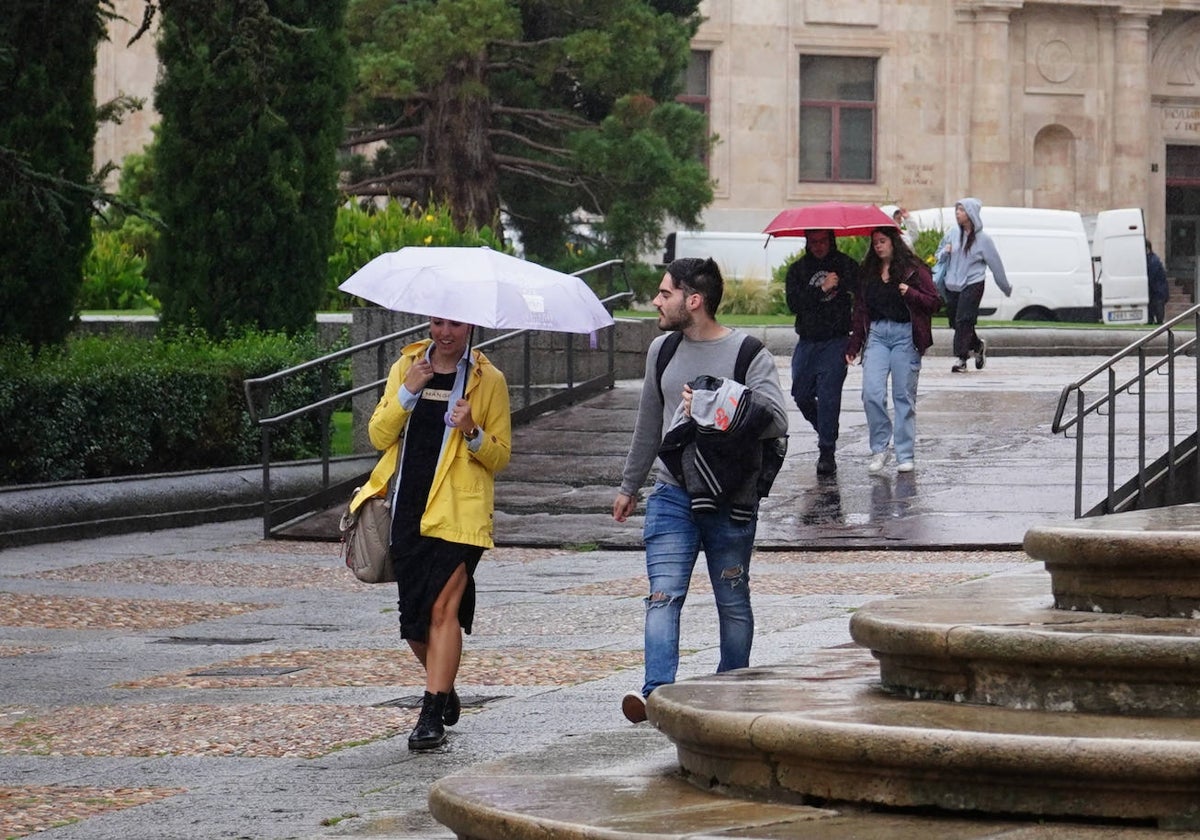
[749,348]
[669,346]
[746,353]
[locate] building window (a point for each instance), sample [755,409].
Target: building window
[837,118]
[695,93]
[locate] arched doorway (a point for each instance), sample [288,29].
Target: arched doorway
[1054,168]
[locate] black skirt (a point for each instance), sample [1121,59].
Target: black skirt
[423,566]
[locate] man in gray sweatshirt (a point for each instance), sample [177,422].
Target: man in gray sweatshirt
[687,301]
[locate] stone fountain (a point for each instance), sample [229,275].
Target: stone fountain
[1069,692]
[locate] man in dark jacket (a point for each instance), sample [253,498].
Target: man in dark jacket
[1159,289]
[820,290]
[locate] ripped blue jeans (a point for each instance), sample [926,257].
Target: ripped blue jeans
[674,537]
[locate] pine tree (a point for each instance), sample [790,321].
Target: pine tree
[47,131]
[251,98]
[539,107]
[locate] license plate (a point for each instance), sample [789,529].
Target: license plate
[1126,315]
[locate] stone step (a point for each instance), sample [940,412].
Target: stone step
[546,796]
[1145,562]
[1001,642]
[824,731]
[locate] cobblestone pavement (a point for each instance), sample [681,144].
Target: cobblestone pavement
[207,683]
[204,682]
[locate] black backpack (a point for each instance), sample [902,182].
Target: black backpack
[773,449]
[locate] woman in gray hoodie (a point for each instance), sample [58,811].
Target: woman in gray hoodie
[968,256]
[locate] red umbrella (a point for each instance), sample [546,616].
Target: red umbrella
[842,218]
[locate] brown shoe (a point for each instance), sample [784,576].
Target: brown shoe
[633,706]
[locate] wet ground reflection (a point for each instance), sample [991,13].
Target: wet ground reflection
[822,504]
[893,496]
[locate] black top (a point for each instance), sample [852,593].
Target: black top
[884,302]
[423,446]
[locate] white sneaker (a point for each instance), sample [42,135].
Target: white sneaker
[907,466]
[878,461]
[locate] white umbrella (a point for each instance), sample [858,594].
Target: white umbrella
[479,286]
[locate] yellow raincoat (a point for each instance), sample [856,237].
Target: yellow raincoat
[462,496]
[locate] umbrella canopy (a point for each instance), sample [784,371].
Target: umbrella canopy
[479,286]
[842,218]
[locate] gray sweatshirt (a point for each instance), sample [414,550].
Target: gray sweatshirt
[693,358]
[966,268]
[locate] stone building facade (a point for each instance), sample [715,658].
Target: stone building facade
[1083,104]
[1074,105]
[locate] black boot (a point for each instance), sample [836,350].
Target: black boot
[453,709]
[429,732]
[826,464]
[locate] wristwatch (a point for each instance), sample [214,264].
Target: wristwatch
[471,435]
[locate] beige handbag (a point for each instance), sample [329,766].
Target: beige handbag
[365,537]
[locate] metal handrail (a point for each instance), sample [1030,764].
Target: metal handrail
[1146,352]
[258,393]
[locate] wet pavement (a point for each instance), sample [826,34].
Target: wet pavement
[988,467]
[204,682]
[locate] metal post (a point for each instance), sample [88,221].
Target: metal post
[1110,506]
[1079,453]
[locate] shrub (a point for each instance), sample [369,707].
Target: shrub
[107,406]
[114,274]
[748,296]
[363,233]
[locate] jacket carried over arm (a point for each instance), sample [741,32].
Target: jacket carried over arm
[657,407]
[716,453]
[462,497]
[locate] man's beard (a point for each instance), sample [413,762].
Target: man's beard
[677,320]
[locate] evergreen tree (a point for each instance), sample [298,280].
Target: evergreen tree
[47,132]
[251,96]
[539,107]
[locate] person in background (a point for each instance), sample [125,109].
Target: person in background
[1159,289]
[820,289]
[674,531]
[900,217]
[969,255]
[445,430]
[892,329]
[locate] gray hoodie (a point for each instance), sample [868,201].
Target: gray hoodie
[966,268]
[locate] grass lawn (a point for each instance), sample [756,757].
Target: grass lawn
[342,431]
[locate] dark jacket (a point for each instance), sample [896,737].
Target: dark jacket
[1159,288]
[922,301]
[719,465]
[821,316]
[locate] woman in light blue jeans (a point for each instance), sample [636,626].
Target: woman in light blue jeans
[892,318]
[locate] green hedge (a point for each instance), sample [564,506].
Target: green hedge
[110,406]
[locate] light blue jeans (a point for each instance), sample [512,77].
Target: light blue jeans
[890,353]
[674,537]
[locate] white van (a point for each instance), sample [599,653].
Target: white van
[1050,265]
[1119,253]
[741,256]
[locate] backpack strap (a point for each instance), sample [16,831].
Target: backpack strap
[665,353]
[746,353]
[749,348]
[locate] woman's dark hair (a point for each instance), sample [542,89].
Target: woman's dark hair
[902,255]
[966,239]
[693,274]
